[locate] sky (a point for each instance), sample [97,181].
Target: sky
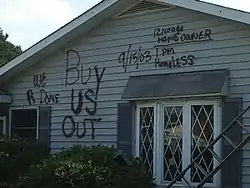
[29,21]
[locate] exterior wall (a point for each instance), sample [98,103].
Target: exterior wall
[103,51]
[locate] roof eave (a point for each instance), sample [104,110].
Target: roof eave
[51,42]
[212,9]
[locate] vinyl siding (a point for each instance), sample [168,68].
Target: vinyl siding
[229,50]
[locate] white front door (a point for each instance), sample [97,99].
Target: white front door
[2,125]
[171,135]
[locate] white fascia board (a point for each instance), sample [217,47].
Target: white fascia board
[58,34]
[212,9]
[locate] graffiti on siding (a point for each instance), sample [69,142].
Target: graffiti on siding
[164,54]
[82,101]
[167,58]
[177,35]
[83,82]
[39,81]
[134,56]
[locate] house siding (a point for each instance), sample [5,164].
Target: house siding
[99,52]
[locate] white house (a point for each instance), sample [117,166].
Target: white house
[160,79]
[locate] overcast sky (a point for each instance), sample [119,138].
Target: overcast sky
[28,21]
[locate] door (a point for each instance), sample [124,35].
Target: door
[2,125]
[172,134]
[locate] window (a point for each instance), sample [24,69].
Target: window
[24,123]
[2,125]
[170,135]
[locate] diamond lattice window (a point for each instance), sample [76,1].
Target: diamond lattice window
[147,137]
[171,136]
[173,125]
[202,135]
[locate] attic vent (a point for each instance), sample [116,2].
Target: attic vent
[144,6]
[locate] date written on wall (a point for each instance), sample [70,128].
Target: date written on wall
[134,57]
[164,57]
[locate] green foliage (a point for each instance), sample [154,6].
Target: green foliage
[86,167]
[16,155]
[7,50]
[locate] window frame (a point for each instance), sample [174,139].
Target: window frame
[137,131]
[24,108]
[158,136]
[161,136]
[217,129]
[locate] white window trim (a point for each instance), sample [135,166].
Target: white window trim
[3,118]
[25,108]
[186,117]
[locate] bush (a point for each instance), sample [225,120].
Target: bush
[16,155]
[86,167]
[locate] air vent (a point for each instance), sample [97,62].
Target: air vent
[144,6]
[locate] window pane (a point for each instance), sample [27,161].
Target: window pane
[25,133]
[24,118]
[202,134]
[173,130]
[24,123]
[147,137]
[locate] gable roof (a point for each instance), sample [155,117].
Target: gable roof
[96,15]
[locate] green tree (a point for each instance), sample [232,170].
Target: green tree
[7,50]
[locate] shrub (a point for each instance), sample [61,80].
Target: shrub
[86,167]
[16,155]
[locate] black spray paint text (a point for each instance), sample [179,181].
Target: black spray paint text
[77,104]
[39,80]
[74,74]
[178,36]
[175,62]
[186,37]
[165,30]
[164,51]
[44,97]
[166,58]
[134,56]
[80,128]
[90,95]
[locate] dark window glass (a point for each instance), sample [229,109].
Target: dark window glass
[24,123]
